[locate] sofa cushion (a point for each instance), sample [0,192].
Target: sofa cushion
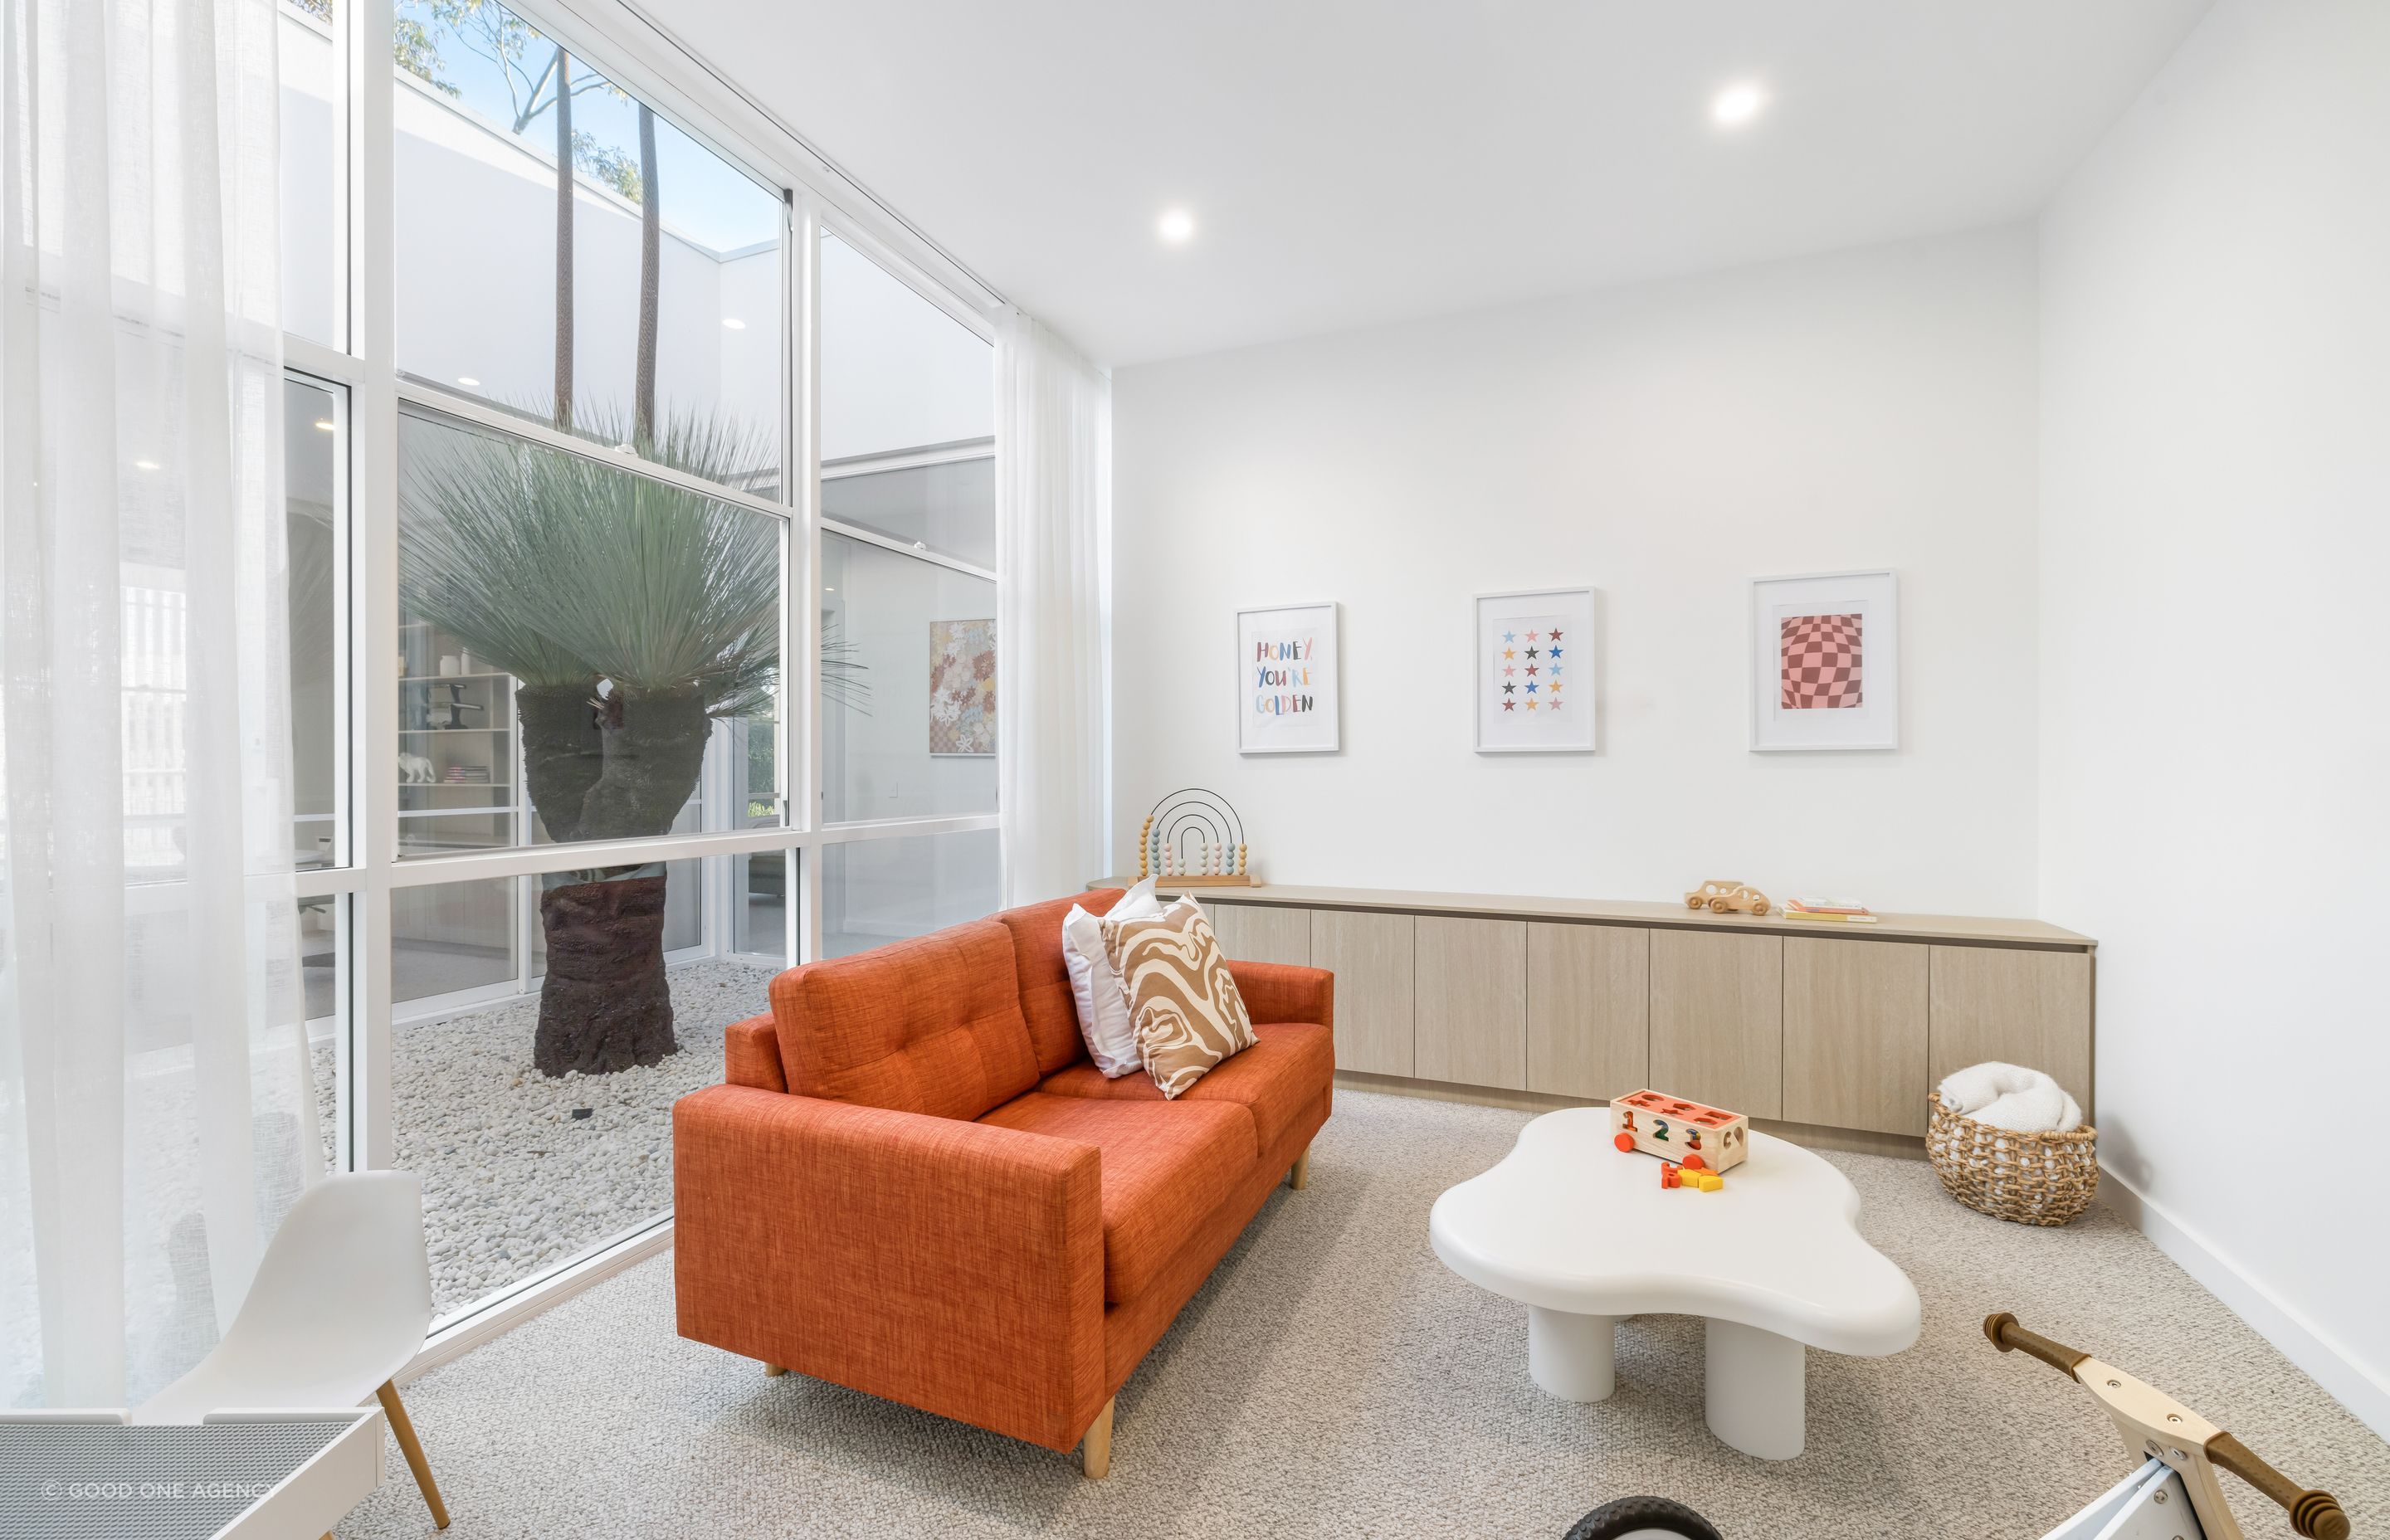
[1043,980]
[1181,995]
[931,1025]
[1291,1066]
[1165,1168]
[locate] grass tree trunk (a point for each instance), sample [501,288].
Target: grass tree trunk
[563,240]
[615,769]
[643,386]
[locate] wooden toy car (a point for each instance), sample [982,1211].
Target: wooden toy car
[1727,897]
[1673,1128]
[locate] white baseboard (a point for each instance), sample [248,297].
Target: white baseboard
[460,1337]
[2351,1384]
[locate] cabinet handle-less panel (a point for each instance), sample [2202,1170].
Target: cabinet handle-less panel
[1370,955]
[2015,1005]
[1262,933]
[1472,1005]
[1588,1009]
[1854,1034]
[1717,1019]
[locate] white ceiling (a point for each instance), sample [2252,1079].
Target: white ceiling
[1350,163]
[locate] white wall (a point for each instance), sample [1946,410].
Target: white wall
[2215,753]
[1665,444]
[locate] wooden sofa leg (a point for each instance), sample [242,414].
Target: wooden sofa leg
[772,1370]
[1298,1175]
[1095,1448]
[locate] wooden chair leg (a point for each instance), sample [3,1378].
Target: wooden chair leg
[412,1447]
[1095,1448]
[772,1370]
[1299,1175]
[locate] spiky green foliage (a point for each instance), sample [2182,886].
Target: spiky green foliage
[564,571]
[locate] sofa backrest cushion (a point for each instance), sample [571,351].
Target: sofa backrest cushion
[1044,979]
[931,1025]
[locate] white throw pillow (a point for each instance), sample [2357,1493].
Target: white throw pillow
[1104,1020]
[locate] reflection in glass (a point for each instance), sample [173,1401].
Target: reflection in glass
[878,891]
[919,638]
[759,897]
[639,285]
[314,501]
[632,621]
[947,506]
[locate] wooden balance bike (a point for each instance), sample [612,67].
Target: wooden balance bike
[2173,1496]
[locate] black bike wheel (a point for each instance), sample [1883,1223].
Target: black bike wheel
[1642,1515]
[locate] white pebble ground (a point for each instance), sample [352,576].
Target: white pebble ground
[512,1182]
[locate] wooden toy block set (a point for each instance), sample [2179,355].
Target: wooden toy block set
[1696,1144]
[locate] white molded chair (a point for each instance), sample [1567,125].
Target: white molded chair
[340,1303]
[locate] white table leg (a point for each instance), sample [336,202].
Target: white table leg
[1755,1384]
[1571,1356]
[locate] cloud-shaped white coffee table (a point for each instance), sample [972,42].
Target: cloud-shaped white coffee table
[1582,1232]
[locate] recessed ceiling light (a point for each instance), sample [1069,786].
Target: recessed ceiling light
[468,381]
[326,424]
[145,465]
[829,590]
[1738,104]
[1176,226]
[732,323]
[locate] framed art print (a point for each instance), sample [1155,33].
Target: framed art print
[1533,655]
[1825,661]
[1286,680]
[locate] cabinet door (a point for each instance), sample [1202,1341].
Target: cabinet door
[1854,1034]
[1717,1019]
[2014,1006]
[1370,955]
[1262,933]
[1472,1005]
[1588,1009]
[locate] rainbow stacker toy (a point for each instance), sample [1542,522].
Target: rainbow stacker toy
[1673,1128]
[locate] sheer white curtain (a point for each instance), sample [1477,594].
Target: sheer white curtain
[1053,512]
[157,1112]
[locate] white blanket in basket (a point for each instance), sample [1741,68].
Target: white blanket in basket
[2012,1097]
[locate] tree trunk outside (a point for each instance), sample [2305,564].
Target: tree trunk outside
[605,1005]
[643,388]
[563,240]
[616,770]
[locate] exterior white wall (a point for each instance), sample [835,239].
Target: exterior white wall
[1663,443]
[2214,726]
[896,372]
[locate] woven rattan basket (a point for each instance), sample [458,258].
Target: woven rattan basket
[2030,1179]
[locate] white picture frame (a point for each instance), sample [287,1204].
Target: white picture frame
[1516,674]
[1825,662]
[1289,694]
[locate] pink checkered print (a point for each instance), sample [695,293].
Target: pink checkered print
[1820,662]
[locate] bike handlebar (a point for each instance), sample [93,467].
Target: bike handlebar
[2315,1514]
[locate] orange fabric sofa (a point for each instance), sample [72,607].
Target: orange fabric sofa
[914,1183]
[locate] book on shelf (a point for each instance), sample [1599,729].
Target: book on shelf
[1849,911]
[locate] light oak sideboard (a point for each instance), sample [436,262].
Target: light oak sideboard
[1832,1028]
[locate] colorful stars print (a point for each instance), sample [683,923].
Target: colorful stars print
[1538,672]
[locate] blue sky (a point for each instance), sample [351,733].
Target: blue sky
[704,197]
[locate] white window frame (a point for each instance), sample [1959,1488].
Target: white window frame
[638,54]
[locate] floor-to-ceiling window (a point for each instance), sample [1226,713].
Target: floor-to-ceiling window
[642,607]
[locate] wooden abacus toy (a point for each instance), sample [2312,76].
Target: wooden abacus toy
[1673,1128]
[1193,839]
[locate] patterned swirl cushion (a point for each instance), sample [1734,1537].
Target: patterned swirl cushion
[1187,1012]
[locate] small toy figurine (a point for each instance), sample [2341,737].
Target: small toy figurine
[1726,896]
[1701,1138]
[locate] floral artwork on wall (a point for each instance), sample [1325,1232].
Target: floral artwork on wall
[962,686]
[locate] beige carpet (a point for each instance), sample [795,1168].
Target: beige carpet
[1334,1379]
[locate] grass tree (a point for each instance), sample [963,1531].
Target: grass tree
[633,613]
